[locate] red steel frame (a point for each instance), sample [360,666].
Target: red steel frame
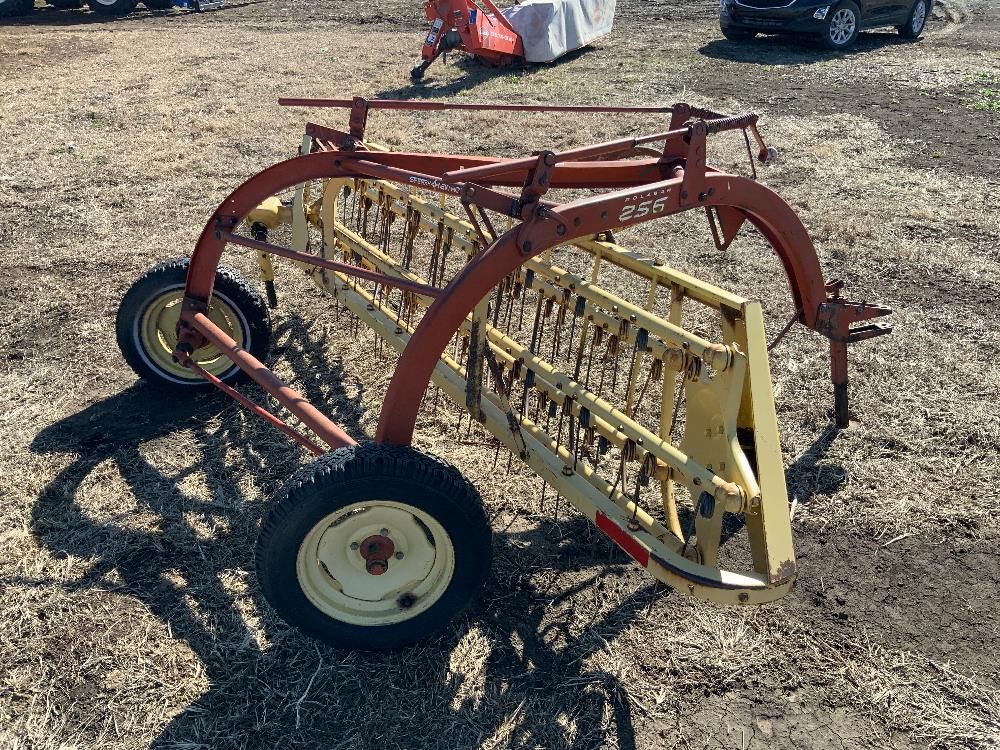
[642,190]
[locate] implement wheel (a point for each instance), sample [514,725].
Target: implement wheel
[146,326]
[374,547]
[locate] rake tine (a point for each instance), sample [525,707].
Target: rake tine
[615,349]
[528,278]
[498,302]
[595,342]
[510,300]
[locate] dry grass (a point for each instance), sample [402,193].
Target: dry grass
[128,615]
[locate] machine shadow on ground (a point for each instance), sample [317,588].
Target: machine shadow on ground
[144,565]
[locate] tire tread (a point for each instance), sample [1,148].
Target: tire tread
[358,463]
[227,280]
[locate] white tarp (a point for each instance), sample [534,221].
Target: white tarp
[551,28]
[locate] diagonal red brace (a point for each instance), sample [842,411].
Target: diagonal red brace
[184,359]
[291,399]
[332,265]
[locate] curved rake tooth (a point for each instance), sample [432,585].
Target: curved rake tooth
[529,279]
[594,343]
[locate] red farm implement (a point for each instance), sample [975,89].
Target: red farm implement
[534,31]
[641,394]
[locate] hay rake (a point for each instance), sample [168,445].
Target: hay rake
[640,394]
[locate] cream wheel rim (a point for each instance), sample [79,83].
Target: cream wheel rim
[156,335]
[336,576]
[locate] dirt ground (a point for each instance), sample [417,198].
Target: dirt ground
[129,613]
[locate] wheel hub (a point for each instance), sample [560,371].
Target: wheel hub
[375,563]
[376,550]
[156,335]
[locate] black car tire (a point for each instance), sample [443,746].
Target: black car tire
[11,8]
[737,35]
[158,4]
[834,19]
[907,30]
[66,4]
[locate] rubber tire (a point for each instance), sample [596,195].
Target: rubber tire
[151,284]
[12,8]
[354,474]
[115,8]
[737,35]
[66,4]
[158,4]
[827,42]
[906,30]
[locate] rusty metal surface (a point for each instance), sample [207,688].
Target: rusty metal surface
[429,106]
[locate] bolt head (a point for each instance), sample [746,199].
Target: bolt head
[399,555]
[355,545]
[384,532]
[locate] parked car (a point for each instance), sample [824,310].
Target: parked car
[836,22]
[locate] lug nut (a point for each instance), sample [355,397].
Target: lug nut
[355,545]
[384,532]
[399,555]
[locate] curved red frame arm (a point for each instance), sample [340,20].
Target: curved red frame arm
[764,208]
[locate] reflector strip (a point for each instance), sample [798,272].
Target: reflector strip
[623,539]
